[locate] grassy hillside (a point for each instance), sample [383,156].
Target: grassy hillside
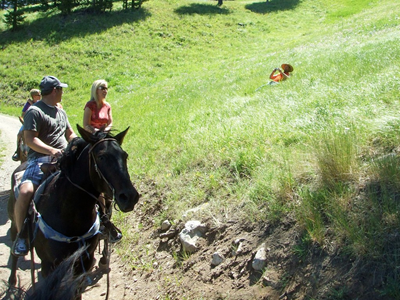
[190,79]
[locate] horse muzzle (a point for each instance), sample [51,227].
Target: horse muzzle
[127,200]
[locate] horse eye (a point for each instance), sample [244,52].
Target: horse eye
[100,157]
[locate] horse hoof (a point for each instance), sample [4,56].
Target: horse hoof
[12,282]
[103,263]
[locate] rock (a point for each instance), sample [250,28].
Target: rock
[190,234]
[260,259]
[238,246]
[169,234]
[165,225]
[217,259]
[239,240]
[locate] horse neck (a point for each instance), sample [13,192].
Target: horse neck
[80,182]
[69,204]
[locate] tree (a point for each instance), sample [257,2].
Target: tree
[66,6]
[3,4]
[14,18]
[102,5]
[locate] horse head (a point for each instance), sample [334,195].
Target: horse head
[108,167]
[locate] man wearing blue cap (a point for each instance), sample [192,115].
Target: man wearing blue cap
[47,132]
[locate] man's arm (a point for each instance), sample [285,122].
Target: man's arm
[272,74]
[32,140]
[70,134]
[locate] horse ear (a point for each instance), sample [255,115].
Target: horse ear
[120,136]
[84,134]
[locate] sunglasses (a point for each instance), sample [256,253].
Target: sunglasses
[103,88]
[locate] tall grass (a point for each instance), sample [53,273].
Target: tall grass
[190,79]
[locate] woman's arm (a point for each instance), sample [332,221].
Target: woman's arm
[87,115]
[110,121]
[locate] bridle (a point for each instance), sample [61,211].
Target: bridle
[98,171]
[96,168]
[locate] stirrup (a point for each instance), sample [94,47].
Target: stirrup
[113,233]
[15,156]
[20,246]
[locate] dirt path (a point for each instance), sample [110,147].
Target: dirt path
[9,127]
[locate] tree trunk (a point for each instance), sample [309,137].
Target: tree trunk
[14,23]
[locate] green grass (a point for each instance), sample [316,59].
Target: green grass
[190,79]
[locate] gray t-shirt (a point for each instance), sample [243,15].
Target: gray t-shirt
[50,123]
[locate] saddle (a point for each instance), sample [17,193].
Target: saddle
[48,169]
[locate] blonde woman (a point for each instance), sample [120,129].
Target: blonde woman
[97,114]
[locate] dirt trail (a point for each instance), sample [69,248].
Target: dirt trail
[9,127]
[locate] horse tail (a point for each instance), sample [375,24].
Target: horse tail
[61,283]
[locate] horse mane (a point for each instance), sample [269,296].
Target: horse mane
[61,283]
[71,153]
[77,145]
[99,135]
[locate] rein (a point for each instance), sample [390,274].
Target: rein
[96,168]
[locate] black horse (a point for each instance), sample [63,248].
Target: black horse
[67,212]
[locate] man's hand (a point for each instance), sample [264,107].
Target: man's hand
[56,153]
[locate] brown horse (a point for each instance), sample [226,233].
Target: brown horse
[66,202]
[22,148]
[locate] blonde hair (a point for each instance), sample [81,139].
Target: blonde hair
[95,87]
[34,92]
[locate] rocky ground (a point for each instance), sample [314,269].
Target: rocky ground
[161,269]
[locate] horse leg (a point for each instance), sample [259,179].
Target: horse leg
[104,260]
[46,268]
[14,259]
[12,280]
[107,212]
[31,246]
